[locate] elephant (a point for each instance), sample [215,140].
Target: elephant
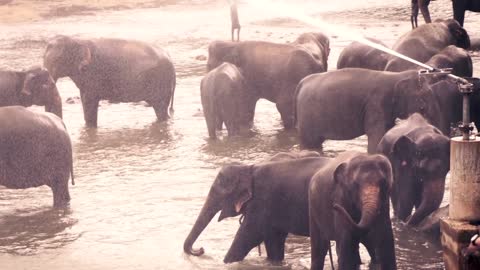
[234,19]
[425,41]
[453,57]
[226,98]
[420,158]
[347,103]
[35,150]
[272,69]
[348,203]
[450,100]
[359,55]
[33,86]
[318,44]
[423,6]
[293,155]
[271,196]
[460,6]
[113,69]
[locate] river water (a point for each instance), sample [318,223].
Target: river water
[140,184]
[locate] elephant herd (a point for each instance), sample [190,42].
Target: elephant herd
[345,199]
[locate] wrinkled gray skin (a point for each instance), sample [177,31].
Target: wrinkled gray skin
[425,41]
[423,6]
[31,87]
[272,196]
[460,6]
[420,157]
[272,70]
[431,224]
[359,55]
[450,102]
[453,57]
[348,203]
[294,155]
[227,99]
[115,70]
[35,150]
[347,103]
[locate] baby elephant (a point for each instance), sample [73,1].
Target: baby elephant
[34,86]
[420,157]
[226,99]
[271,196]
[35,150]
[348,203]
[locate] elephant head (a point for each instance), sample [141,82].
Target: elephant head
[39,89]
[365,182]
[413,94]
[420,167]
[317,44]
[222,51]
[459,34]
[229,193]
[66,57]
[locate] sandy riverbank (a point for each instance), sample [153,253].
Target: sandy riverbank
[15,11]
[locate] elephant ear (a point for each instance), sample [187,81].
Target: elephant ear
[459,34]
[241,194]
[340,173]
[403,149]
[85,56]
[27,84]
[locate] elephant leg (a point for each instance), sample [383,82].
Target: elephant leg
[385,248]
[248,236]
[275,245]
[459,12]
[347,251]
[61,195]
[161,110]
[319,247]
[370,246]
[285,108]
[90,110]
[238,34]
[374,135]
[413,17]
[423,4]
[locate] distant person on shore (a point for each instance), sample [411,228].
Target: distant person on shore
[234,18]
[423,6]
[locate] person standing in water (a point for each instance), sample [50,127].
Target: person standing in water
[234,19]
[423,6]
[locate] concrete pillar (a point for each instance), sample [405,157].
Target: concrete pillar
[464,202]
[465,179]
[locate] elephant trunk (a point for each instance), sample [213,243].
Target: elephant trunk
[432,196]
[210,208]
[370,208]
[54,102]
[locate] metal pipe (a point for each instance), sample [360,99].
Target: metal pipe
[466,117]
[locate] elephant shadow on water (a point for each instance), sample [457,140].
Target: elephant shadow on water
[28,234]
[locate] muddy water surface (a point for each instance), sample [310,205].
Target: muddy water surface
[140,184]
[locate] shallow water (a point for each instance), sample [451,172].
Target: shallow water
[140,184]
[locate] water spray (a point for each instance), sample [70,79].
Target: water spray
[290,11]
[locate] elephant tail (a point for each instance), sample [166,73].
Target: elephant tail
[71,173]
[295,95]
[171,110]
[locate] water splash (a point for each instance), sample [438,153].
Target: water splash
[279,9]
